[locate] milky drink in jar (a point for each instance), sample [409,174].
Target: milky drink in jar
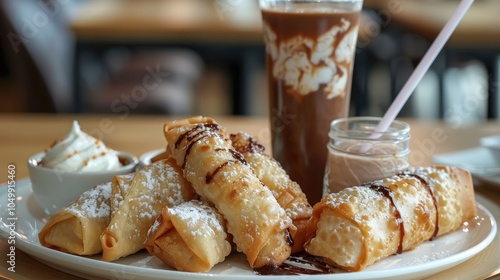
[310,50]
[358,155]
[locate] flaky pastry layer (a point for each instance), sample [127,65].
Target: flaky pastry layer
[360,225]
[258,224]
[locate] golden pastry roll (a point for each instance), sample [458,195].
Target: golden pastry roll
[120,184]
[219,174]
[76,228]
[189,237]
[153,187]
[360,225]
[287,192]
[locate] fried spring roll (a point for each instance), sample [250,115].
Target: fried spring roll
[358,226]
[287,192]
[189,237]
[76,228]
[258,224]
[153,187]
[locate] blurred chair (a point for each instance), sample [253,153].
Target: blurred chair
[39,52]
[40,49]
[152,82]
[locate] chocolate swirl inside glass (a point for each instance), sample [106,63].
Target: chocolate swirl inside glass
[310,48]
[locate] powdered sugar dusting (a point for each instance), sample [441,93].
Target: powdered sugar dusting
[195,212]
[120,187]
[93,203]
[154,187]
[154,227]
[218,175]
[272,175]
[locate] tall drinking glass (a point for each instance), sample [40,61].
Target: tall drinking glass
[310,47]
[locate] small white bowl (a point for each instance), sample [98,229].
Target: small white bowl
[493,144]
[54,189]
[145,159]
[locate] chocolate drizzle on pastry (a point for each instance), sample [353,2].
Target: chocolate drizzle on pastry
[238,156]
[210,175]
[188,135]
[250,146]
[385,191]
[434,199]
[200,132]
[306,264]
[194,135]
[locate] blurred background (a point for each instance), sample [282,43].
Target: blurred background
[207,57]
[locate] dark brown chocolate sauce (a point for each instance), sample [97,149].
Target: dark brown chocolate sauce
[238,156]
[190,146]
[198,132]
[299,264]
[434,200]
[184,135]
[210,176]
[385,191]
[251,146]
[211,126]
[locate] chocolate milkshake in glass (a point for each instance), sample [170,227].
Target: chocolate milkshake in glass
[310,48]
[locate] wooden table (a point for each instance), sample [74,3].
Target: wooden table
[24,135]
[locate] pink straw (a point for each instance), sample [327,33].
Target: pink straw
[423,66]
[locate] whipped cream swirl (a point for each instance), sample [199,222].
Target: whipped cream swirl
[78,151]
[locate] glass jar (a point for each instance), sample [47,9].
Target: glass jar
[357,155]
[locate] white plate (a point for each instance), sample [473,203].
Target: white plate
[482,162]
[429,258]
[145,158]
